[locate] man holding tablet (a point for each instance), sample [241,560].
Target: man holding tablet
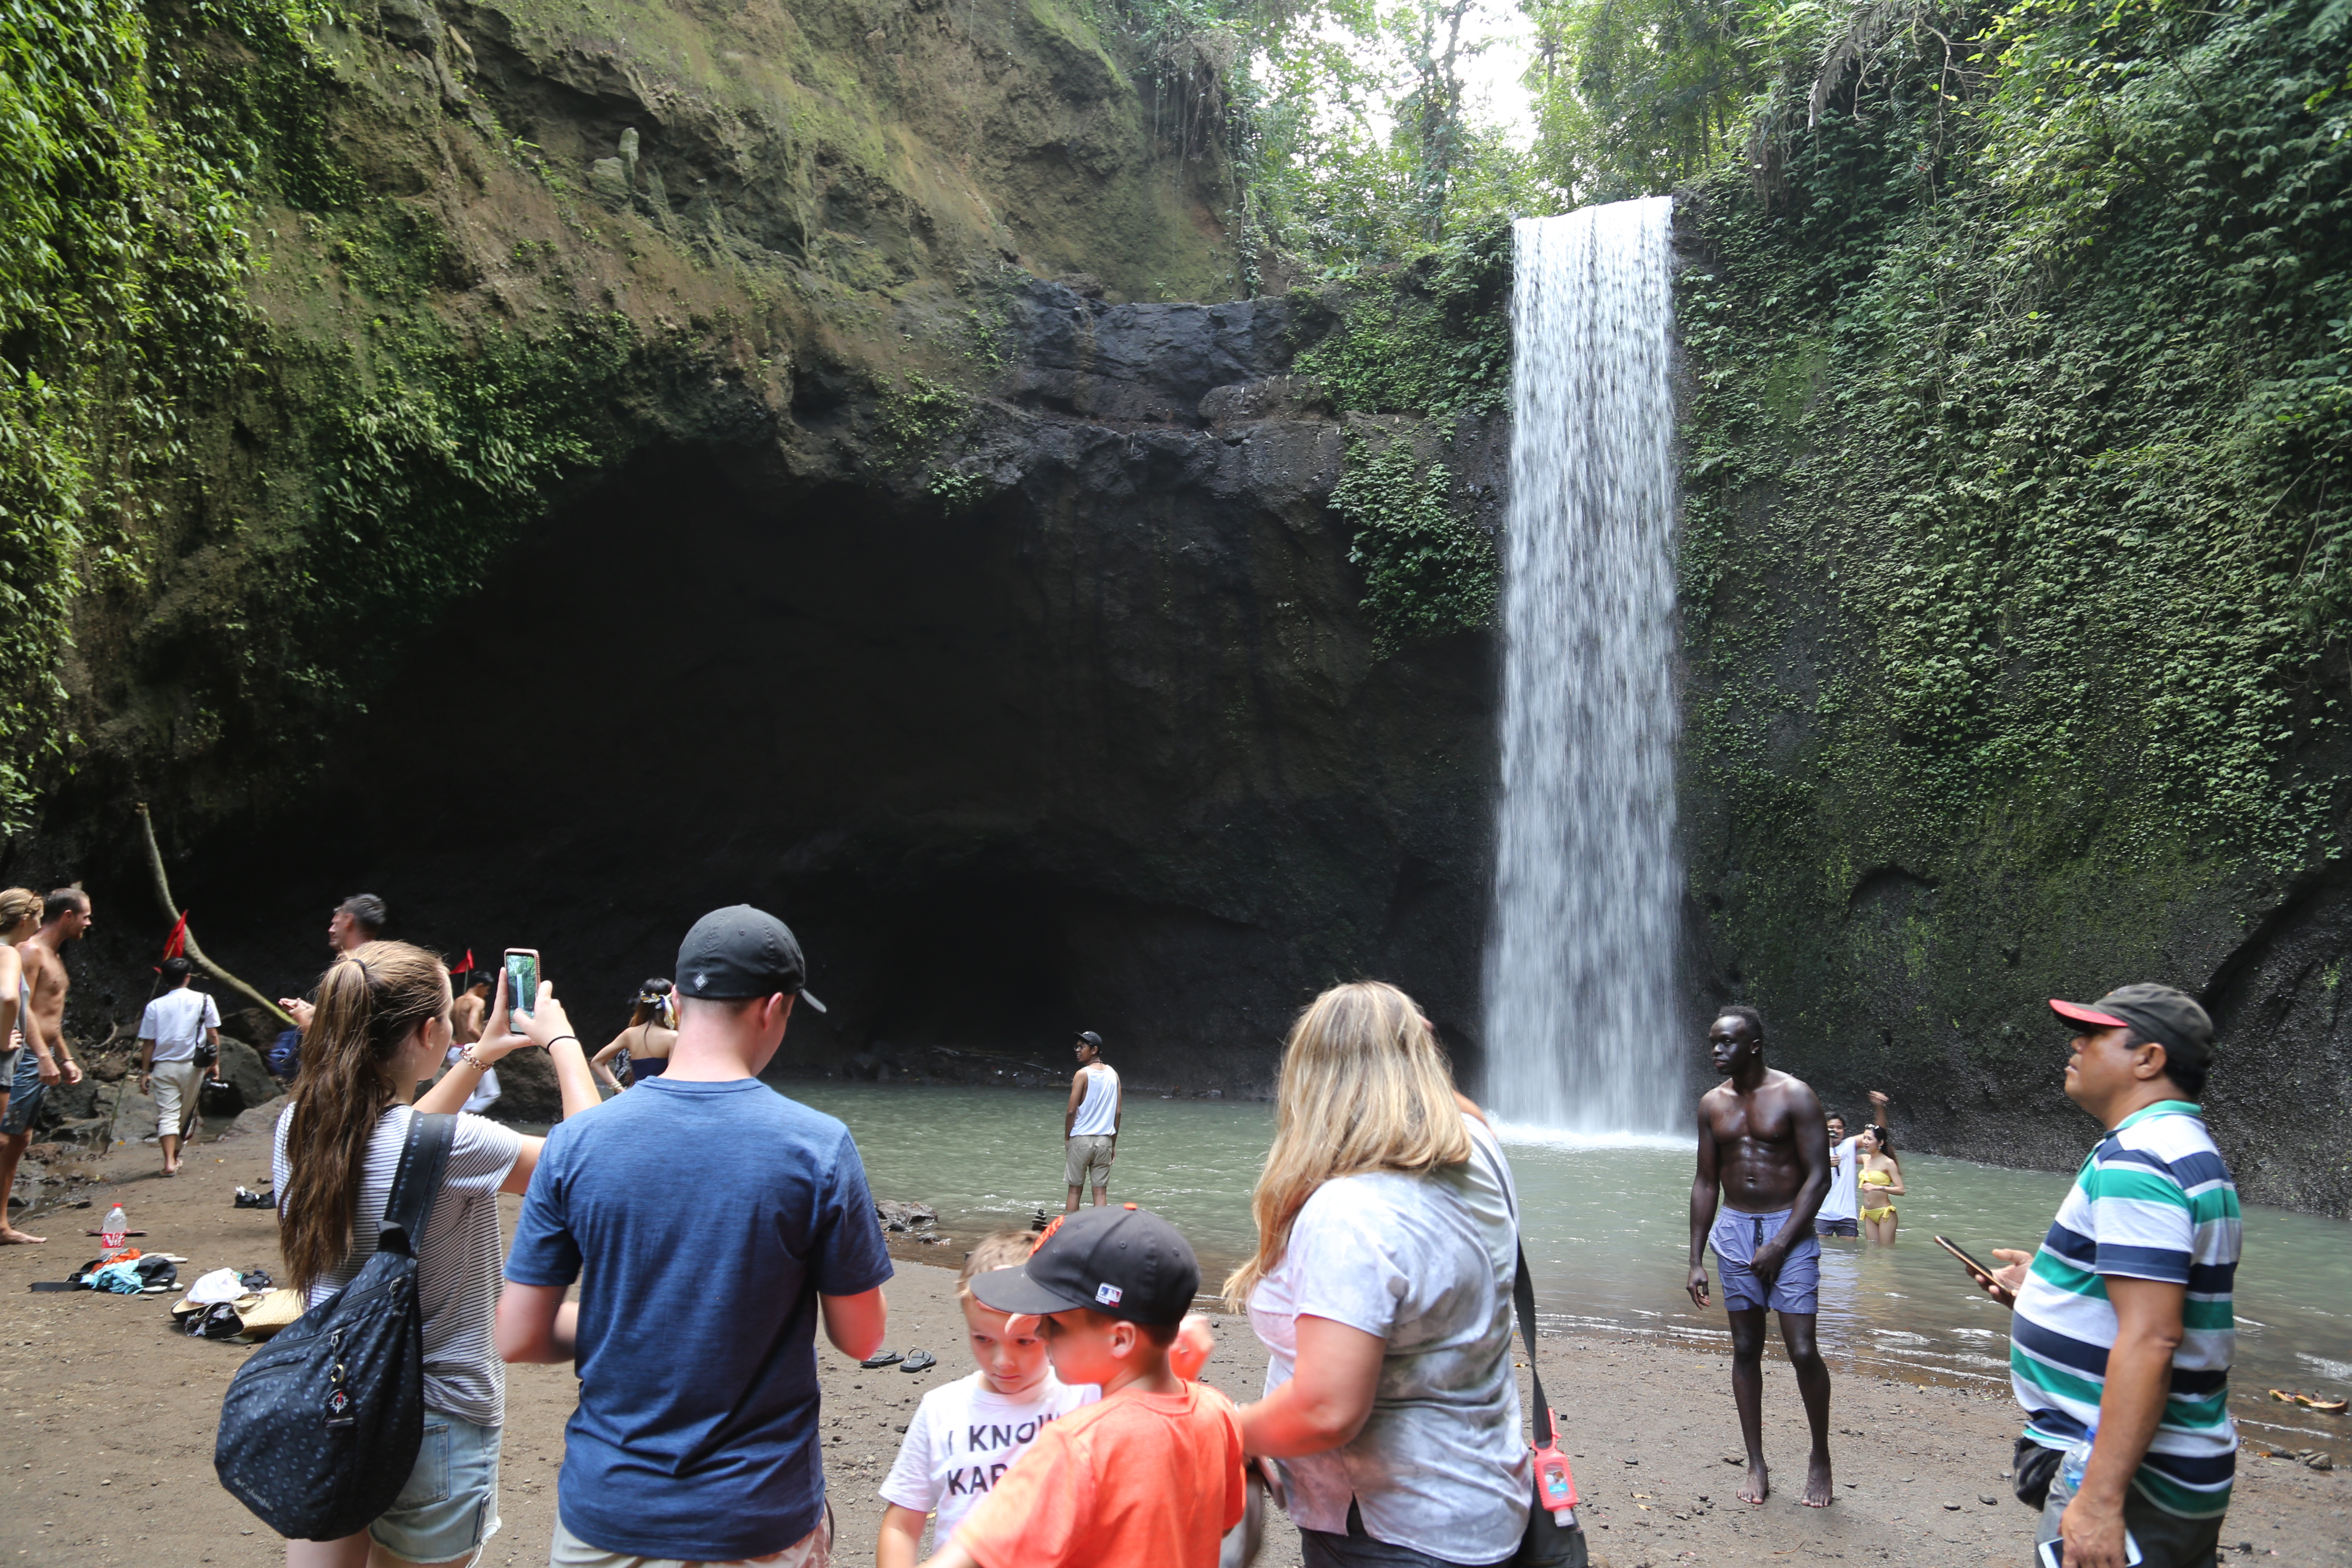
[2121,1344]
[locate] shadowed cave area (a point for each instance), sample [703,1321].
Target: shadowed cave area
[1111,751]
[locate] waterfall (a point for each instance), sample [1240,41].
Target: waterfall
[1581,1032]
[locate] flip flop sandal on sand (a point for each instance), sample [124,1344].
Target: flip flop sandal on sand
[887,1357]
[919,1360]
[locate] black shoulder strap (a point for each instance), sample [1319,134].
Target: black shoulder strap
[1523,1298]
[424,1157]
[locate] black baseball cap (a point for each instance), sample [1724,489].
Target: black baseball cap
[1124,1262]
[1090,1038]
[2171,1018]
[741,951]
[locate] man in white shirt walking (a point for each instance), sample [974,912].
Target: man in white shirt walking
[176,1025]
[1090,1126]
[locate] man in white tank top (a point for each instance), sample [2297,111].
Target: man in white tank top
[1090,1127]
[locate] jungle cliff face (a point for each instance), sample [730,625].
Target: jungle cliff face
[2014,622]
[701,454]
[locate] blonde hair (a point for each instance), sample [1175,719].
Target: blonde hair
[18,905]
[1365,1086]
[997,1249]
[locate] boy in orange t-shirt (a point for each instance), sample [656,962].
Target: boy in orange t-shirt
[1150,1477]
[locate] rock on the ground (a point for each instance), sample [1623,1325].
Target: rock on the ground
[897,1214]
[262,1118]
[243,1069]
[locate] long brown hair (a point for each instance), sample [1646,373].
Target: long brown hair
[370,1001]
[1364,1087]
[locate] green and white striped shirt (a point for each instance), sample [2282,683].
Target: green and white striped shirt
[2153,1201]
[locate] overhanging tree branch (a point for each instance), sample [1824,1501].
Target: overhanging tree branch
[196,953]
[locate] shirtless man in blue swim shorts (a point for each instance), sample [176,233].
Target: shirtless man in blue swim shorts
[1764,1152]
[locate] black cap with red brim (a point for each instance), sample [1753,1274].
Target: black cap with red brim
[2171,1018]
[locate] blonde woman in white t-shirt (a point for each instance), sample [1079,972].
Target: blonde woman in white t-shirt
[1387,1247]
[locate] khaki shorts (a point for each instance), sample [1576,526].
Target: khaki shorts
[814,1550]
[1091,1151]
[177,1085]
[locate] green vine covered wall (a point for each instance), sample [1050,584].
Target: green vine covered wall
[308,312]
[1422,358]
[2015,547]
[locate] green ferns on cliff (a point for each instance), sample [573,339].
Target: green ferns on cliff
[1430,340]
[403,457]
[2031,355]
[120,273]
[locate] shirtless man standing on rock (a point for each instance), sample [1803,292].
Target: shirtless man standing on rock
[64,917]
[1763,1147]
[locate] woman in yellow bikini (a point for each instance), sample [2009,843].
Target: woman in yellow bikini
[1878,1177]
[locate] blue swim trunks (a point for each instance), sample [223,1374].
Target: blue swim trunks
[1736,1238]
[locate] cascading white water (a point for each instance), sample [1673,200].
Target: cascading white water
[1580,1026]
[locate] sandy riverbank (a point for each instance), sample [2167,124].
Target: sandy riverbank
[106,1427]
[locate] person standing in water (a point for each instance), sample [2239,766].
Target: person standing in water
[642,1049]
[1764,1153]
[1839,1212]
[1879,1176]
[1090,1126]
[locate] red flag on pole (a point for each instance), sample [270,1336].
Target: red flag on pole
[467,967]
[176,944]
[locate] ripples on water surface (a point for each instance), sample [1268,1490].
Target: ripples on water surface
[1607,1229]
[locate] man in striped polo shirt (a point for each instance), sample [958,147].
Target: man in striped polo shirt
[2123,1331]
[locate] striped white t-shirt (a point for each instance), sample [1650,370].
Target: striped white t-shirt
[2153,1201]
[458,1273]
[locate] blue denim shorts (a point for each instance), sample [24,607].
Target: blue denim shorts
[450,1504]
[25,1093]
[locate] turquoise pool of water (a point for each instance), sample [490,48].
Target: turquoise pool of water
[1607,1230]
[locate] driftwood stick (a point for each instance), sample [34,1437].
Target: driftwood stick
[196,953]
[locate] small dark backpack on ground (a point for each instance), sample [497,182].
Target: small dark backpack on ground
[321,1426]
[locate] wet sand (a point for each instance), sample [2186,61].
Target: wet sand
[107,1416]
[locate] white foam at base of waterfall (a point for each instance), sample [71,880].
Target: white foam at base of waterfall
[1582,1036]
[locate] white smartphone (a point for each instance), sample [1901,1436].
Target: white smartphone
[2054,1552]
[523,980]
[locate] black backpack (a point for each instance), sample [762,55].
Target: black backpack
[321,1424]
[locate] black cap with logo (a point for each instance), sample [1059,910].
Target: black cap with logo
[1122,1262]
[1088,1037]
[2171,1018]
[741,951]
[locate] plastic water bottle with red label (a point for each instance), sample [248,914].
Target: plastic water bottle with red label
[114,1231]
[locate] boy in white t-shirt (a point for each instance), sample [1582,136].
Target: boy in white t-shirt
[966,1434]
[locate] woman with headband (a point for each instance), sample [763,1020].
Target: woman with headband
[641,1051]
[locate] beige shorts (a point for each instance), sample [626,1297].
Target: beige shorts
[1091,1151]
[177,1085]
[814,1550]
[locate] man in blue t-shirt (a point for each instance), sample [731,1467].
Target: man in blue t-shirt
[702,1279]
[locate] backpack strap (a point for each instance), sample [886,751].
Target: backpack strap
[423,1159]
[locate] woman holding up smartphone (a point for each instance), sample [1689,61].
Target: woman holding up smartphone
[1878,1175]
[380,1027]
